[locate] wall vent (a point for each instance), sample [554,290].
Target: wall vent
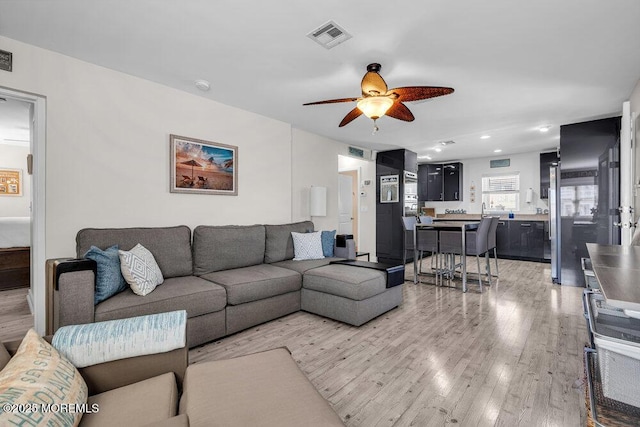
[329,35]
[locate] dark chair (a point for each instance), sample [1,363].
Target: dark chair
[427,241]
[408,225]
[492,240]
[476,242]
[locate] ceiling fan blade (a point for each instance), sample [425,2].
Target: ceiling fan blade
[353,114]
[332,101]
[400,111]
[415,93]
[373,84]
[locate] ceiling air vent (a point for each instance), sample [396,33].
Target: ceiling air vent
[329,35]
[445,143]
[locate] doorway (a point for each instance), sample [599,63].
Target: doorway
[348,203]
[34,172]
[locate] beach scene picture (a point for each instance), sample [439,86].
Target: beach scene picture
[203,167]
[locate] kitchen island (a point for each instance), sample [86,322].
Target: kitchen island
[524,237]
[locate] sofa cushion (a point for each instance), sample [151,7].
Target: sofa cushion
[109,280]
[4,356]
[190,293]
[177,421]
[170,246]
[302,266]
[38,374]
[142,403]
[256,282]
[347,281]
[140,270]
[266,389]
[307,245]
[279,244]
[328,242]
[227,247]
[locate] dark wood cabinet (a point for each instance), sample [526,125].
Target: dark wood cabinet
[440,182]
[452,178]
[546,161]
[520,239]
[502,238]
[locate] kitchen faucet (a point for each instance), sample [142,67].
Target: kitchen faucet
[482,210]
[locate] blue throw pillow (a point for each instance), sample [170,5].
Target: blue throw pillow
[109,279]
[327,242]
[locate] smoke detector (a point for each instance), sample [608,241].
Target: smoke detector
[329,35]
[203,85]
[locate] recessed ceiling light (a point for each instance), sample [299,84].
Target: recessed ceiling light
[203,85]
[425,157]
[437,150]
[497,150]
[544,128]
[485,137]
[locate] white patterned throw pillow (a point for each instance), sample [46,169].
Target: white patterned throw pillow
[140,270]
[307,245]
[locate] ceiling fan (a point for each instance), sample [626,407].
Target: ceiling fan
[377,100]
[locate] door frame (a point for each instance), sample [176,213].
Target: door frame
[355,201]
[37,290]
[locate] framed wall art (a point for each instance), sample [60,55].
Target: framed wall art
[203,167]
[11,182]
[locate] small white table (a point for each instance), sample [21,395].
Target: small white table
[462,226]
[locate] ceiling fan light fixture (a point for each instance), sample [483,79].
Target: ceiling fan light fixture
[375,107]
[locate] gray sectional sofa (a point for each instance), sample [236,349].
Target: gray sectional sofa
[228,279]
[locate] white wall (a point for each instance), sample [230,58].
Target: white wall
[527,164]
[15,157]
[635,112]
[108,150]
[367,208]
[315,161]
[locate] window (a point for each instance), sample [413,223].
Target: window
[501,192]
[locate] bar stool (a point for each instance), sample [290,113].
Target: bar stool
[477,244]
[493,229]
[427,241]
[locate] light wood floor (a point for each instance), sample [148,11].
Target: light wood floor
[510,356]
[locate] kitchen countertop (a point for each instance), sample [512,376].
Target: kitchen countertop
[517,217]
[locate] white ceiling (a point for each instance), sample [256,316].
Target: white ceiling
[515,64]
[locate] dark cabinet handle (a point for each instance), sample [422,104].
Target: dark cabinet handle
[501,223]
[525,225]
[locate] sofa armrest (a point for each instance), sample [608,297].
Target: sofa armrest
[349,252]
[118,373]
[70,292]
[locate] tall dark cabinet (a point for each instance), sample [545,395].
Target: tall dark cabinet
[389,230]
[440,182]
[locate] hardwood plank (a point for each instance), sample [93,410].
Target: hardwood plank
[510,356]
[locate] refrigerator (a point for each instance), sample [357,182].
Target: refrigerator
[584,196]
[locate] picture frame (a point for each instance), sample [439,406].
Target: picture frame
[389,188]
[203,167]
[11,182]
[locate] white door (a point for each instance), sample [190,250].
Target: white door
[345,204]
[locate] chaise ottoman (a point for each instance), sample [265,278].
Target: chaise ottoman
[350,294]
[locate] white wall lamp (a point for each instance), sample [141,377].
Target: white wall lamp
[318,201]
